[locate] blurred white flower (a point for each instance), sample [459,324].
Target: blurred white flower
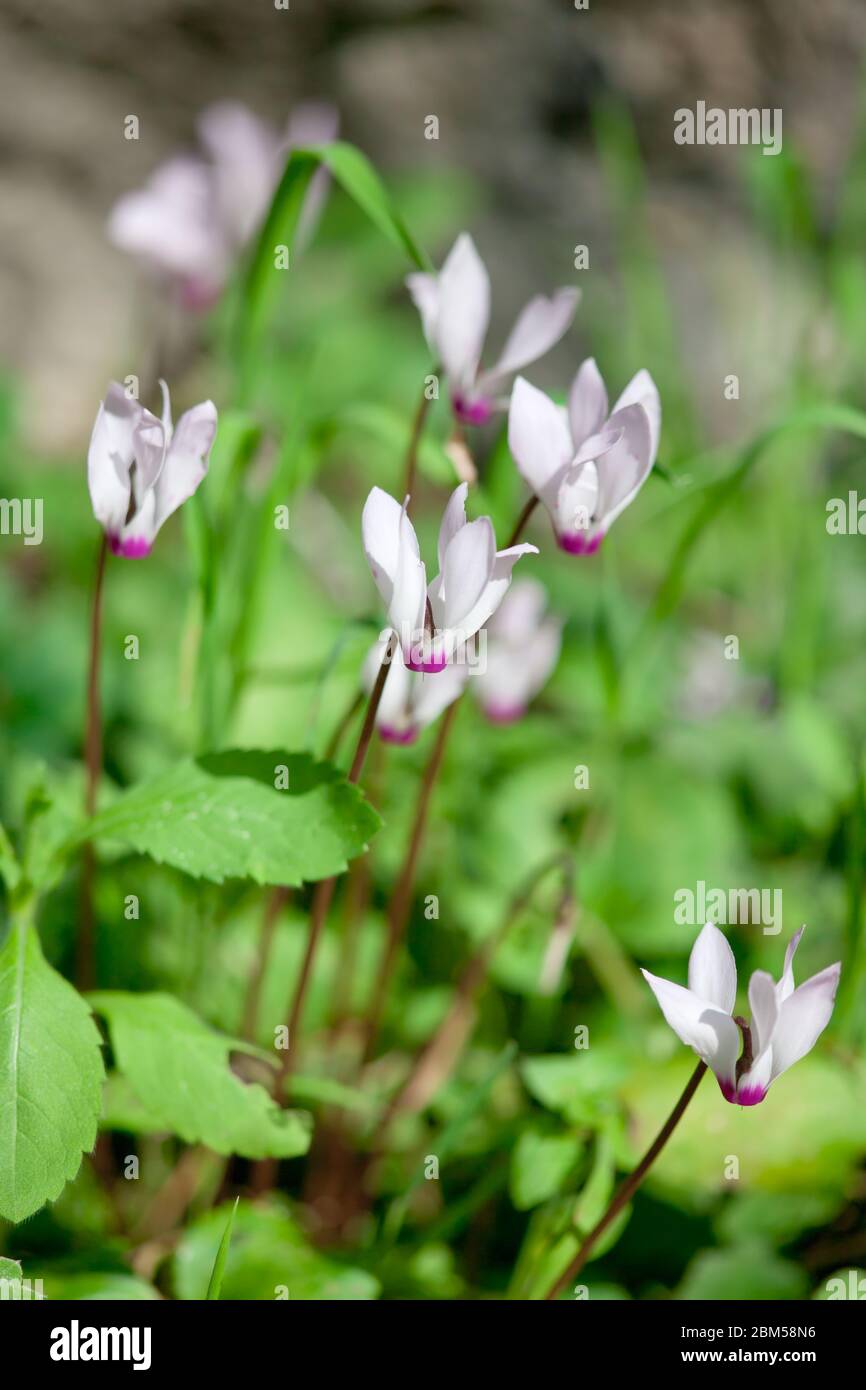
[455,312]
[785,1025]
[410,701]
[585,466]
[196,212]
[140,469]
[522,650]
[433,621]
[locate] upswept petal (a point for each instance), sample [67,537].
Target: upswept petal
[539,439]
[186,459]
[540,324]
[626,466]
[765,1011]
[453,520]
[577,501]
[464,311]
[785,987]
[493,593]
[587,402]
[468,566]
[712,1034]
[380,533]
[409,598]
[642,390]
[424,291]
[803,1017]
[712,968]
[395,693]
[110,455]
[520,613]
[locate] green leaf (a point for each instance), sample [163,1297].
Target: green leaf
[269,1258]
[748,1272]
[220,817]
[540,1163]
[216,1278]
[95,1286]
[179,1070]
[9,870]
[50,1076]
[10,1269]
[357,177]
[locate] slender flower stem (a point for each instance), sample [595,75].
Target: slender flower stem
[437,1058]
[324,890]
[401,902]
[631,1184]
[398,911]
[84,971]
[415,434]
[521,521]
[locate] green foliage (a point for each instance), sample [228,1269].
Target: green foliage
[50,1078]
[221,817]
[269,1258]
[178,1069]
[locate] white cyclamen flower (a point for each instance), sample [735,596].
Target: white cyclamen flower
[195,214]
[140,469]
[786,1022]
[585,466]
[433,621]
[455,312]
[410,701]
[522,649]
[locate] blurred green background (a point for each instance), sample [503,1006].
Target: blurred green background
[738,773]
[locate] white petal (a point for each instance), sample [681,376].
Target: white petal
[464,311]
[172,222]
[803,1017]
[712,1033]
[712,969]
[380,532]
[785,987]
[626,466]
[453,520]
[520,612]
[577,500]
[424,290]
[186,461]
[540,324]
[765,1011]
[246,158]
[539,440]
[409,599]
[515,672]
[466,571]
[492,594]
[642,390]
[432,694]
[110,456]
[587,402]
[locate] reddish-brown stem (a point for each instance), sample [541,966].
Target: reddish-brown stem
[324,889]
[436,1060]
[631,1184]
[416,431]
[521,521]
[398,911]
[84,968]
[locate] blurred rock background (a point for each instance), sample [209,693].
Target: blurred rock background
[513,83]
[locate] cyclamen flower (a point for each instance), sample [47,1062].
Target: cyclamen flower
[433,621]
[522,649]
[195,214]
[786,1022]
[140,469]
[455,313]
[585,466]
[410,701]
